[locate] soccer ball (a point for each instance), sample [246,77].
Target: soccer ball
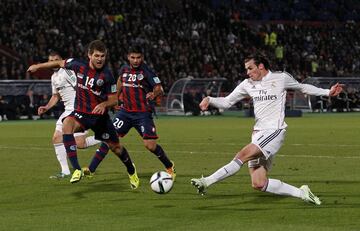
[161,182]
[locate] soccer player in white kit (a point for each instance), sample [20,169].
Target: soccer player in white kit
[268,92]
[62,89]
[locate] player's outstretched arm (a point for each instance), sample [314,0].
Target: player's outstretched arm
[52,64]
[204,104]
[53,100]
[336,89]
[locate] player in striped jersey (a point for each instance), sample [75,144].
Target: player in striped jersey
[62,89]
[138,85]
[95,93]
[268,92]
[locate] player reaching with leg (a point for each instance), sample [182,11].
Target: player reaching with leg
[95,93]
[268,92]
[138,85]
[62,89]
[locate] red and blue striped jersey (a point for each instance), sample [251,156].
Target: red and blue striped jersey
[135,84]
[93,86]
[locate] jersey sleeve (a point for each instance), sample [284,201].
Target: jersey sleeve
[72,64]
[291,83]
[110,87]
[152,78]
[235,96]
[70,76]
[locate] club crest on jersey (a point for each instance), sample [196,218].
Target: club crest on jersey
[156,80]
[273,84]
[99,82]
[105,136]
[140,76]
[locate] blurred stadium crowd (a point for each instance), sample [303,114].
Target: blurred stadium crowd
[201,39]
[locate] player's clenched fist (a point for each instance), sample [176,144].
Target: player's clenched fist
[32,68]
[204,104]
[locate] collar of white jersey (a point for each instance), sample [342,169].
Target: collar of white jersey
[267,75]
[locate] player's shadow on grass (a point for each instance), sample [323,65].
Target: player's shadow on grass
[108,182]
[257,202]
[251,203]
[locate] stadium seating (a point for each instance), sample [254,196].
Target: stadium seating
[200,39]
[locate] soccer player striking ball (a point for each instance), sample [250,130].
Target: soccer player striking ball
[268,92]
[95,93]
[138,85]
[62,89]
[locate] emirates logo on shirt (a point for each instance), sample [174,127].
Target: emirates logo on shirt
[264,96]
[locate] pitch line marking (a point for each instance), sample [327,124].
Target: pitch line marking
[190,152]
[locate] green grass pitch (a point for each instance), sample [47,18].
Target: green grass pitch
[322,150]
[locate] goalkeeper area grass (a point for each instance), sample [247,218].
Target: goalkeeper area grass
[321,150]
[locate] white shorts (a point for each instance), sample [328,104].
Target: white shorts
[59,124]
[269,142]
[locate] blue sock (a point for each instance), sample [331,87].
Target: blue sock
[125,158]
[70,146]
[99,156]
[160,153]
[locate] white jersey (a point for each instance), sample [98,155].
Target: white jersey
[268,95]
[62,87]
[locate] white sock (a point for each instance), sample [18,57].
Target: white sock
[62,157]
[224,172]
[91,141]
[278,187]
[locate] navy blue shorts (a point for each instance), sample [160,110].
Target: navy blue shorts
[142,121]
[100,124]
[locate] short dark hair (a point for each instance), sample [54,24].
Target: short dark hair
[259,58]
[136,48]
[54,53]
[97,45]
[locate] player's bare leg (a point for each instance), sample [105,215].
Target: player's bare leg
[250,151]
[83,141]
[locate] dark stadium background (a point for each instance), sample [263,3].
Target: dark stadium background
[197,39]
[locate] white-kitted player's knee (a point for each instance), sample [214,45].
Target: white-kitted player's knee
[57,137]
[259,179]
[80,142]
[259,185]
